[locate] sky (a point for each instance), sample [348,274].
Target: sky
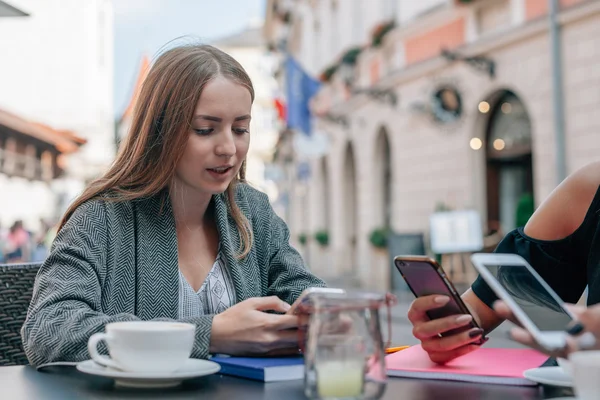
[144,26]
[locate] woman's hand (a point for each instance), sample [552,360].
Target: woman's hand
[588,321]
[246,329]
[518,334]
[441,349]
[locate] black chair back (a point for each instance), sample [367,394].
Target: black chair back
[16,286]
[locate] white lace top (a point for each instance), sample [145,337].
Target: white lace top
[214,296]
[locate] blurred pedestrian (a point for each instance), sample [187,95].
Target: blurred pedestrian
[17,243]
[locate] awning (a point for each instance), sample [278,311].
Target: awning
[63,140]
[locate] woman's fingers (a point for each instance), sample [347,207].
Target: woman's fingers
[419,307]
[442,349]
[450,343]
[522,336]
[270,303]
[502,309]
[279,340]
[433,328]
[575,308]
[282,322]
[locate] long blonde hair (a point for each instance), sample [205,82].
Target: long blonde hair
[146,161]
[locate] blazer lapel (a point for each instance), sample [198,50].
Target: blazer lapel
[241,270]
[157,265]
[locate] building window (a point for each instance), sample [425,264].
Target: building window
[509,173]
[510,129]
[30,162]
[494,17]
[47,166]
[10,155]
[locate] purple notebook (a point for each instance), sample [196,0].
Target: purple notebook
[265,369]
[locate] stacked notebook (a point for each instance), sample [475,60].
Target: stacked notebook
[485,365]
[265,369]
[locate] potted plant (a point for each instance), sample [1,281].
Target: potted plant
[322,237]
[440,206]
[525,209]
[302,238]
[328,73]
[379,237]
[380,31]
[351,56]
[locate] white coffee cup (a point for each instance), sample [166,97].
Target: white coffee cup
[586,374]
[144,346]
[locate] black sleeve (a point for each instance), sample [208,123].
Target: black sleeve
[555,261]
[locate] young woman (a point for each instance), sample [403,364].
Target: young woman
[561,241]
[172,231]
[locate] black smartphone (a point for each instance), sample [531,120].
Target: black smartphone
[424,276]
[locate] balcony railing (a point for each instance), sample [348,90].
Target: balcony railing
[26,166]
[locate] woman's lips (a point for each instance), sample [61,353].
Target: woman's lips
[219,172]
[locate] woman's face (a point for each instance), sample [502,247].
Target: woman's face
[219,138]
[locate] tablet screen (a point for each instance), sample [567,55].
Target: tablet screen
[531,296]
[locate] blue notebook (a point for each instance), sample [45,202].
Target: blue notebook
[265,369]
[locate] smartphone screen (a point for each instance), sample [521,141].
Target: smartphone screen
[423,279]
[540,306]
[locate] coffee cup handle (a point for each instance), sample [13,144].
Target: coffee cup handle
[96,356]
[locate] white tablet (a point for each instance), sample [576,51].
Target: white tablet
[534,304]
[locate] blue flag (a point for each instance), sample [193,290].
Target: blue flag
[300,87]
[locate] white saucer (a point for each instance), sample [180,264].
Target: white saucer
[192,368]
[554,376]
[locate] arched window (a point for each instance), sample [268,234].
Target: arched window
[509,163]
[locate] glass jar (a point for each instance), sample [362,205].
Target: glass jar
[343,348]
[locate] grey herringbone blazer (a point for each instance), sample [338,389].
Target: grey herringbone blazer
[118,262]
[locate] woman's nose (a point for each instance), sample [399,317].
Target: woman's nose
[226,145]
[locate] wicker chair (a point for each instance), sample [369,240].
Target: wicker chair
[16,285]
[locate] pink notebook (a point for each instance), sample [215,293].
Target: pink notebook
[486,365]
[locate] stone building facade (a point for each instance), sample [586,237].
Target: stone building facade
[451,107]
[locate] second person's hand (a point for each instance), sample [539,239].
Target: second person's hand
[441,349]
[588,320]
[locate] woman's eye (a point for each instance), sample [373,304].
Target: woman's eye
[241,131]
[203,132]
